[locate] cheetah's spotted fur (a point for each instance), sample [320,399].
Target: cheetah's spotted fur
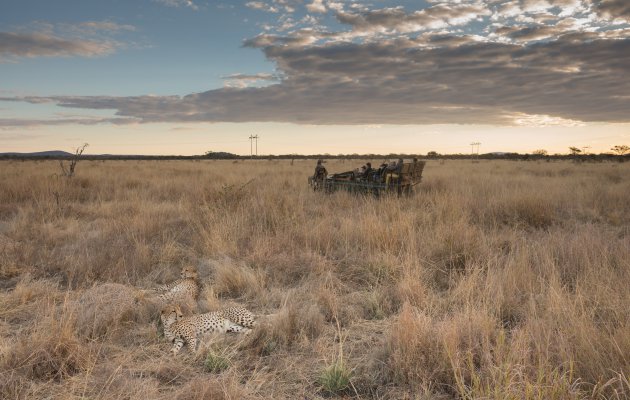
[188,285]
[186,330]
[239,315]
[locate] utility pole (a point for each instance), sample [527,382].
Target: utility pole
[472,149]
[251,143]
[256,138]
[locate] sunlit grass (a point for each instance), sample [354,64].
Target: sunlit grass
[495,280]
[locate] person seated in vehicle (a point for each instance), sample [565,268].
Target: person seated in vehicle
[412,173]
[393,171]
[359,172]
[380,172]
[367,172]
[320,171]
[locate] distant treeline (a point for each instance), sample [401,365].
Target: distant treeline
[390,156]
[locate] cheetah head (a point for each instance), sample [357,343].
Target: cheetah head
[189,272]
[171,312]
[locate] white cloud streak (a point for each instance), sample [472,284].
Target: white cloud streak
[259,5]
[179,3]
[42,45]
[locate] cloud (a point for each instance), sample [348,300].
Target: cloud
[530,33]
[255,77]
[288,6]
[244,80]
[396,19]
[42,45]
[259,5]
[45,39]
[514,8]
[178,3]
[6,123]
[399,83]
[317,6]
[300,38]
[107,26]
[543,121]
[613,9]
[557,63]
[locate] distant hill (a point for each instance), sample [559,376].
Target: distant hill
[51,153]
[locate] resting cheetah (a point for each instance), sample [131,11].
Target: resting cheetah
[185,330]
[169,315]
[239,315]
[188,285]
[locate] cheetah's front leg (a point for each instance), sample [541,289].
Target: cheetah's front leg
[192,344]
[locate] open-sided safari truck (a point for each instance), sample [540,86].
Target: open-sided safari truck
[376,181]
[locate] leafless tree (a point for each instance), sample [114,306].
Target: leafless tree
[69,171]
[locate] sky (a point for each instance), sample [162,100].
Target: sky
[314,76]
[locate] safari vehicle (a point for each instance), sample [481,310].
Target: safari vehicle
[376,182]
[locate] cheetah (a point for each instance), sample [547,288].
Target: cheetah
[188,285]
[182,330]
[169,315]
[239,315]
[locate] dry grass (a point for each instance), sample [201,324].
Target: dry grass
[498,280]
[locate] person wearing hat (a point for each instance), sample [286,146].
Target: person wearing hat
[320,171]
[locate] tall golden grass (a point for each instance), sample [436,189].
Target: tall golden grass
[498,279]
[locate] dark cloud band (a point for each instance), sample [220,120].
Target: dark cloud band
[561,70]
[398,83]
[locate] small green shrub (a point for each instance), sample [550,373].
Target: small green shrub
[269,347]
[216,363]
[335,378]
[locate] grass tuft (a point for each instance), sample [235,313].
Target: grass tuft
[335,378]
[216,363]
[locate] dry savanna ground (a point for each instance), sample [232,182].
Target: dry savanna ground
[497,280]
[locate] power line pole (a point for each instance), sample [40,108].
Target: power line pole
[256,138]
[251,144]
[472,149]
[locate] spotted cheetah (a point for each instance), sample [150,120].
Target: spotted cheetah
[186,330]
[169,315]
[239,315]
[188,285]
